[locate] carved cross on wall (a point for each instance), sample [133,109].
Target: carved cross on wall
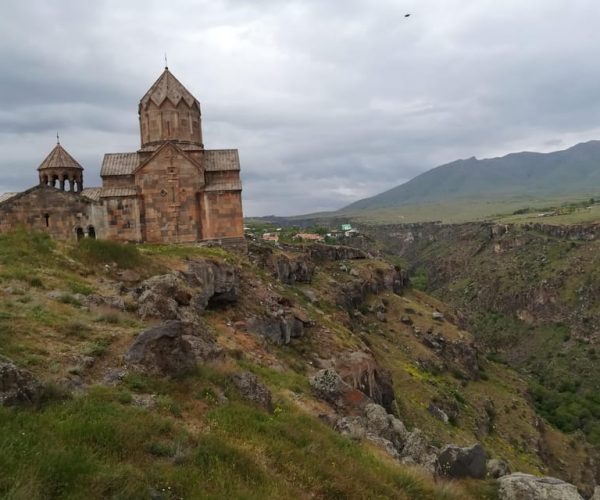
[173,178]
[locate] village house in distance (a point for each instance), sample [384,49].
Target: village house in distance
[171,190]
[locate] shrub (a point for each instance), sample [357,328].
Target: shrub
[67,298]
[420,280]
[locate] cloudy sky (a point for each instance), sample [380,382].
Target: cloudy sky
[328,101]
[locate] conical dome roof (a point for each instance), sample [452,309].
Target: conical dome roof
[168,87]
[59,158]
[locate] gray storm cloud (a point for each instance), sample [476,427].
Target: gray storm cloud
[327,101]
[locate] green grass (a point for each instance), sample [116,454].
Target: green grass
[94,252]
[186,251]
[100,446]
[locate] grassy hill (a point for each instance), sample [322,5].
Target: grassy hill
[195,436]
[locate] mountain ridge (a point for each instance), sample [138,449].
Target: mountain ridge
[575,170]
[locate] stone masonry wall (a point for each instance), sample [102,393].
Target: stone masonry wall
[222,215]
[49,209]
[123,219]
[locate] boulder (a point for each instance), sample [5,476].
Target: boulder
[380,423]
[438,413]
[153,305]
[204,348]
[252,390]
[519,486]
[162,350]
[596,494]
[457,462]
[18,386]
[328,385]
[377,426]
[418,451]
[497,468]
[389,447]
[168,285]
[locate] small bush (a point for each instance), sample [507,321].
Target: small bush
[82,288]
[75,329]
[99,347]
[160,450]
[35,282]
[420,280]
[167,403]
[67,298]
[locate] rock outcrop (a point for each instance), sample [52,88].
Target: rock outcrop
[287,269]
[458,354]
[18,386]
[178,295]
[279,329]
[213,283]
[520,486]
[319,252]
[361,371]
[352,294]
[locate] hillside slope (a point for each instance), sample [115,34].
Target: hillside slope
[574,171]
[180,372]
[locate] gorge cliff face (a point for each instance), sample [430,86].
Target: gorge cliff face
[531,296]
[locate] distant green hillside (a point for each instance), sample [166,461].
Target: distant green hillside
[570,172]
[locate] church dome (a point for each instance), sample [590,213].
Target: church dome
[169,112]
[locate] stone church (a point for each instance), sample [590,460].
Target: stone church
[171,190]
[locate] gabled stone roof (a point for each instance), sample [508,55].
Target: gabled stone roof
[168,87]
[217,160]
[93,193]
[7,196]
[119,164]
[113,192]
[59,158]
[214,160]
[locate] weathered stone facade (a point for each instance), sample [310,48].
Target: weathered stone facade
[171,190]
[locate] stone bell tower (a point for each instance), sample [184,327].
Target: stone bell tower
[169,112]
[59,169]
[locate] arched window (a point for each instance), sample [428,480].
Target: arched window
[91,232]
[79,232]
[47,218]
